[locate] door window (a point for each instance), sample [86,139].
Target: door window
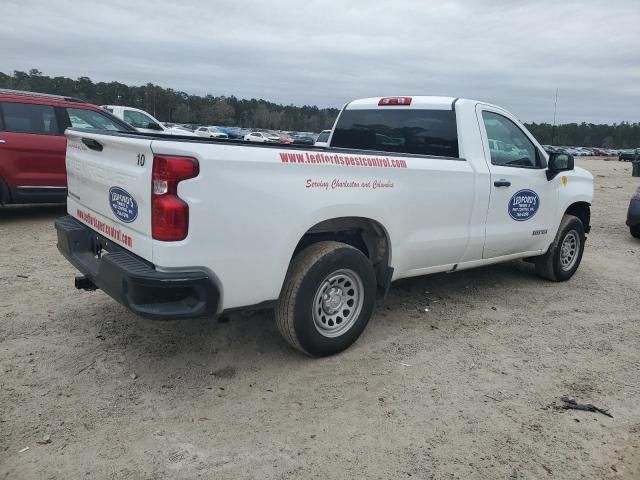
[81,118]
[29,118]
[508,145]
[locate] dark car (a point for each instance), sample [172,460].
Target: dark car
[303,140]
[33,145]
[629,155]
[633,214]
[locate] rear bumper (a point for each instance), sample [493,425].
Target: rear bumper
[132,281]
[633,214]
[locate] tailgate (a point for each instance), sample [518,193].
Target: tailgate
[109,185]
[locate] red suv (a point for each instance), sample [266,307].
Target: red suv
[33,145]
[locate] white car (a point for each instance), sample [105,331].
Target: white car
[261,137]
[408,186]
[323,139]
[144,122]
[210,132]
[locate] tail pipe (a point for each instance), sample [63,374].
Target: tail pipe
[84,283]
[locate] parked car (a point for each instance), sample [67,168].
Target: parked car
[210,132]
[303,140]
[629,155]
[553,149]
[319,232]
[232,132]
[33,146]
[285,139]
[180,130]
[323,139]
[261,137]
[633,214]
[143,121]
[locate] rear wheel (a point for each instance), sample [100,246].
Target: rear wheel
[634,230]
[565,253]
[327,299]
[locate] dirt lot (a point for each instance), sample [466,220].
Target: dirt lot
[462,391]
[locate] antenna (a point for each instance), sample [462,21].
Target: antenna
[553,128]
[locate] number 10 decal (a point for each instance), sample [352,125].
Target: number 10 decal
[141,159]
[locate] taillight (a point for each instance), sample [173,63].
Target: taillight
[169,213]
[388,101]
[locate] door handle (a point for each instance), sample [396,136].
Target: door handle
[3,141]
[502,183]
[92,144]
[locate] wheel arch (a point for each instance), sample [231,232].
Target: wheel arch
[366,234]
[582,210]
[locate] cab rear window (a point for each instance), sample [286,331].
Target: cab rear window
[418,132]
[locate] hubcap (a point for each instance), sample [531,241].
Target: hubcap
[337,303]
[569,250]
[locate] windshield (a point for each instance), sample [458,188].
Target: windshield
[138,119]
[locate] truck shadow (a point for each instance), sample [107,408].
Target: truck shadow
[209,358]
[244,340]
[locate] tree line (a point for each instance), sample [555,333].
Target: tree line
[170,105]
[175,106]
[620,135]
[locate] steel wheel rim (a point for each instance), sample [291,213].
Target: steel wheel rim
[338,303]
[569,250]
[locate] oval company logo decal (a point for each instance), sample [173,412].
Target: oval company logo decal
[523,205]
[123,205]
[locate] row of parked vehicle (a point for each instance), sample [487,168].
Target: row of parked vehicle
[255,135]
[583,151]
[146,123]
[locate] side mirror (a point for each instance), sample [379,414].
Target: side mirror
[559,162]
[155,126]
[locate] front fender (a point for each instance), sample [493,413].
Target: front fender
[576,187]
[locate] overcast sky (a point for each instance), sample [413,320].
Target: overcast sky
[512,53]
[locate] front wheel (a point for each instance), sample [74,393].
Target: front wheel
[565,253]
[327,298]
[634,230]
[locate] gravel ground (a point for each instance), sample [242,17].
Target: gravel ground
[462,391]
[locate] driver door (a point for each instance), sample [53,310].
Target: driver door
[522,202]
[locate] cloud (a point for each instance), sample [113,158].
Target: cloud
[507,52]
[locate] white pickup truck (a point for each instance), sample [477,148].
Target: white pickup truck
[180,227]
[144,122]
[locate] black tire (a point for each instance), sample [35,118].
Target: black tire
[549,265]
[307,275]
[634,230]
